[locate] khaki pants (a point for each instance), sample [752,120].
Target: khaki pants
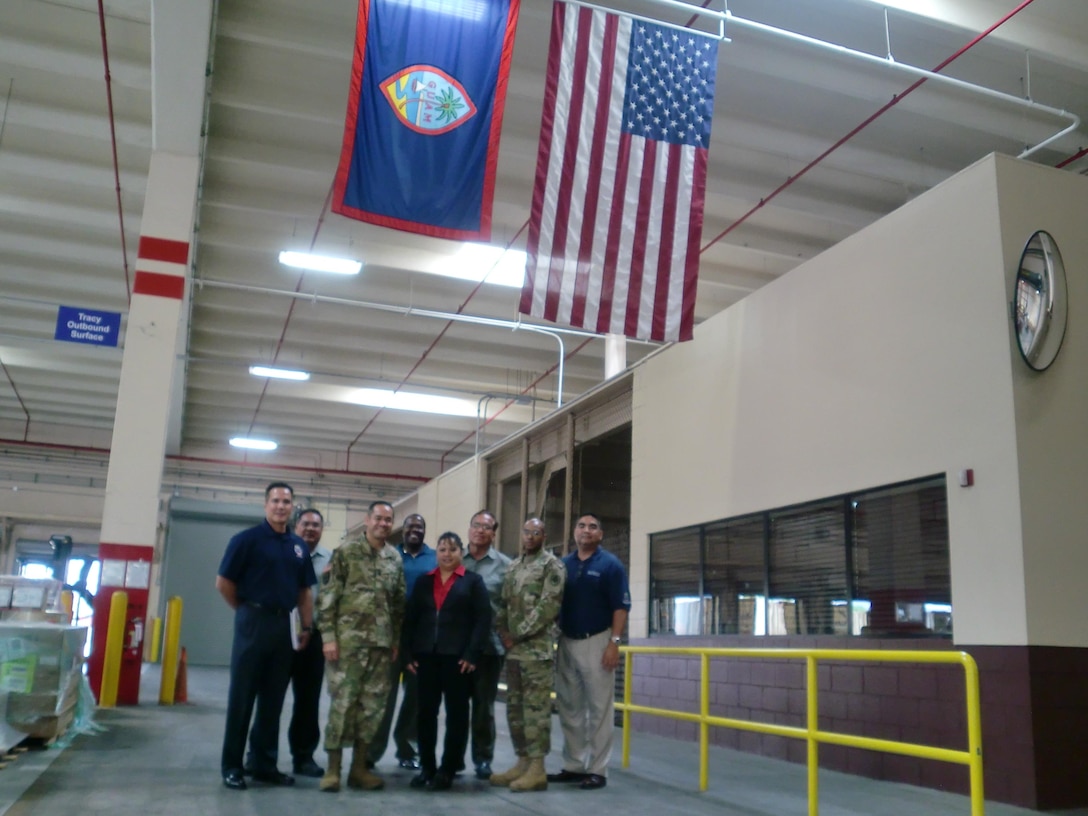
[585,696]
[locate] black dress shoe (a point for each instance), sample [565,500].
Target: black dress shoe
[483,770]
[274,778]
[441,781]
[309,768]
[234,780]
[593,781]
[411,764]
[567,776]
[422,780]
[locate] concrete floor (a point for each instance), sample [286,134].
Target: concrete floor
[164,761]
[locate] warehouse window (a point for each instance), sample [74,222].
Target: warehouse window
[870,563]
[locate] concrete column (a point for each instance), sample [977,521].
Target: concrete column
[179,54]
[130,512]
[615,355]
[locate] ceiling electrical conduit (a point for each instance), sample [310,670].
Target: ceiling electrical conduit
[202,460]
[895,100]
[727,19]
[410,311]
[890,62]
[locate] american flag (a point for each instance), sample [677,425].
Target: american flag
[617,208]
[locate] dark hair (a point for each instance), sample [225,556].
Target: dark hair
[268,490]
[593,516]
[485,512]
[451,536]
[375,503]
[309,511]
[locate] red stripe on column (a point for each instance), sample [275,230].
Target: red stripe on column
[163,249]
[158,284]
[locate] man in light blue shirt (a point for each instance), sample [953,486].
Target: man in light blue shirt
[419,559]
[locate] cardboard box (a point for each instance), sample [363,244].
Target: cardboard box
[40,674]
[29,593]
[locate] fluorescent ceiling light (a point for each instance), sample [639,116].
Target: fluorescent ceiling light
[320,263]
[407,401]
[253,444]
[492,264]
[278,373]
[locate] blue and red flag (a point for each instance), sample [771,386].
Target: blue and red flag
[421,140]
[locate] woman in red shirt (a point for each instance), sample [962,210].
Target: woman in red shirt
[446,626]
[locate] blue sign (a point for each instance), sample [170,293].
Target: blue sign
[76,325]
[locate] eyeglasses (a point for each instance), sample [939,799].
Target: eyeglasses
[481,525]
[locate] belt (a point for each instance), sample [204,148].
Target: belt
[585,636]
[270,610]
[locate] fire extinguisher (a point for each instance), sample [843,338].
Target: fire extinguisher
[135,634]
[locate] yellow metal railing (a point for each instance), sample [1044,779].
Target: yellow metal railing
[812,733]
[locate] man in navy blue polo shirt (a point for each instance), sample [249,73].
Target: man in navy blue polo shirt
[265,573]
[596,600]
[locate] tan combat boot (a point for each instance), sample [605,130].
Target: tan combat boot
[535,777]
[359,776]
[503,779]
[331,780]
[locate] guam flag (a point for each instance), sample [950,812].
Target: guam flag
[421,140]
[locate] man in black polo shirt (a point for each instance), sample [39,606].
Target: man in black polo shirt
[596,600]
[265,573]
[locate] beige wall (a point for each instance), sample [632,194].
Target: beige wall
[1052,410]
[885,358]
[448,501]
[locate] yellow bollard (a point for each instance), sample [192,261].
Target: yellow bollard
[115,642]
[170,653]
[66,603]
[156,639]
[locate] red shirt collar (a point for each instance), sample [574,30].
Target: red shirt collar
[459,571]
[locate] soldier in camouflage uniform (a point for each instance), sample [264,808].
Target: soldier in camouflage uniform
[361,610]
[532,593]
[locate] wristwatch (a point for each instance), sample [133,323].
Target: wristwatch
[617,640]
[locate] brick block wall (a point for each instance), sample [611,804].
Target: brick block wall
[1034,712]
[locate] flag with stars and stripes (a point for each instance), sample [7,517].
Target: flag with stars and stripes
[617,210]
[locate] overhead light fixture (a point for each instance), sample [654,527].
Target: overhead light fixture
[484,262]
[253,444]
[320,263]
[278,373]
[408,401]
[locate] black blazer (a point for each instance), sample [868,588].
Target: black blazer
[461,628]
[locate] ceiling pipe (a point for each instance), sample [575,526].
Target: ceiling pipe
[430,348]
[895,100]
[290,310]
[528,388]
[113,145]
[406,311]
[18,396]
[409,311]
[930,75]
[368,474]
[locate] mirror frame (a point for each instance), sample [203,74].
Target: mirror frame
[1039,309]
